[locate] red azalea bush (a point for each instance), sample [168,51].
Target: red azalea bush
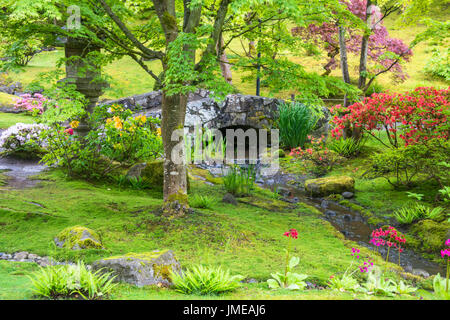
[318,157]
[411,117]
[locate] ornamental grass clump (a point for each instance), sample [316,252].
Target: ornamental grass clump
[202,202]
[295,122]
[72,282]
[202,280]
[240,181]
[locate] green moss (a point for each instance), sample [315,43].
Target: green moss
[330,185]
[169,20]
[306,208]
[266,203]
[72,238]
[181,197]
[335,197]
[371,218]
[205,174]
[163,271]
[153,173]
[145,256]
[430,235]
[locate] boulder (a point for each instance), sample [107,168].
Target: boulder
[330,185]
[141,269]
[77,238]
[151,173]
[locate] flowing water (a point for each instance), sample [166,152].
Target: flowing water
[350,223]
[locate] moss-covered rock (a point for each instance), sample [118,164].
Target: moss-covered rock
[77,238]
[329,185]
[141,269]
[429,235]
[152,173]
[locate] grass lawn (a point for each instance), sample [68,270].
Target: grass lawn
[9,119]
[247,239]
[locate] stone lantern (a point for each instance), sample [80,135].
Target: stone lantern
[77,73]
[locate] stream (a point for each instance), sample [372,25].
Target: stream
[350,223]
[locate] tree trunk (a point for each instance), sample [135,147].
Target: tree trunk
[224,65]
[175,173]
[348,132]
[364,50]
[344,61]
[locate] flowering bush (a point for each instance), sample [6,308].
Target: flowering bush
[23,140]
[69,152]
[411,117]
[289,280]
[316,156]
[127,139]
[32,103]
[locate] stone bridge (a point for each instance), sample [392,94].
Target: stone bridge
[237,110]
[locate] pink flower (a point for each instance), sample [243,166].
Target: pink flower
[447,243]
[69,131]
[445,252]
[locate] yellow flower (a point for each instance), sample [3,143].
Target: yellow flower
[158,132]
[108,121]
[141,118]
[74,124]
[116,107]
[118,123]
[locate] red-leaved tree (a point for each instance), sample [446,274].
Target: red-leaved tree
[384,53]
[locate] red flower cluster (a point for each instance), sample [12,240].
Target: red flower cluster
[291,233]
[413,117]
[390,237]
[69,131]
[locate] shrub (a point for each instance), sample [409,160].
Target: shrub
[202,202]
[125,138]
[71,281]
[346,147]
[205,280]
[439,64]
[239,181]
[23,140]
[69,152]
[316,156]
[413,118]
[34,104]
[295,122]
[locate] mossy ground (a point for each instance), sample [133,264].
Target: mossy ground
[248,238]
[377,200]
